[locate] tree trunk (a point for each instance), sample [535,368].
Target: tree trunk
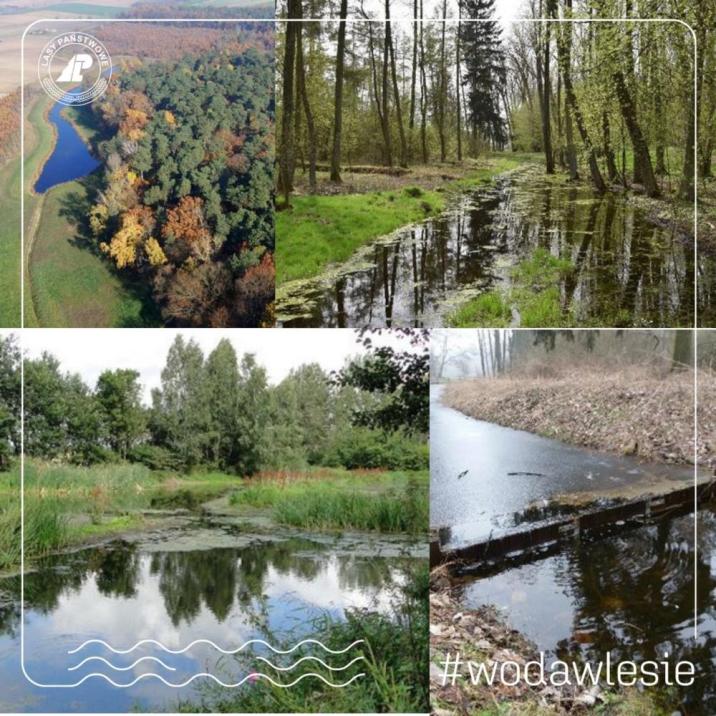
[423,92]
[396,89]
[385,96]
[301,89]
[571,98]
[612,171]
[457,81]
[287,153]
[566,37]
[414,68]
[442,87]
[641,150]
[686,187]
[543,71]
[377,96]
[338,94]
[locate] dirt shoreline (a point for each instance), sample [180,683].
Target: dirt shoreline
[650,418]
[482,636]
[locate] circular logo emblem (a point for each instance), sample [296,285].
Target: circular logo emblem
[74,68]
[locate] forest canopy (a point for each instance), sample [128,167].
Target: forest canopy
[186,197]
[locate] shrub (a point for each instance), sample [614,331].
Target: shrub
[413,191]
[366,448]
[155,458]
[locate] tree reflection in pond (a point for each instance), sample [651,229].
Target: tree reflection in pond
[272,590]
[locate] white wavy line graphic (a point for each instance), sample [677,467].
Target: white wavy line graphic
[121,668]
[218,648]
[255,675]
[311,658]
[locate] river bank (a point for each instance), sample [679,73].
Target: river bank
[483,636]
[329,226]
[621,413]
[68,507]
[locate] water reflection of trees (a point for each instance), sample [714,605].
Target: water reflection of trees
[216,579]
[626,271]
[633,596]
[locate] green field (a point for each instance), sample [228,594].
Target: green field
[38,143]
[72,284]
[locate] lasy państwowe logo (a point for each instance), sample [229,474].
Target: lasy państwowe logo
[74,68]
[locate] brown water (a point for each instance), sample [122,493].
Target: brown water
[632,594]
[625,270]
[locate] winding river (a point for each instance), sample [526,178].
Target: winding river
[70,158]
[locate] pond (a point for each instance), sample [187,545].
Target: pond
[487,480]
[222,585]
[625,270]
[70,158]
[631,594]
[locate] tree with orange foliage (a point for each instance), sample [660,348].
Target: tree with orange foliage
[185,230]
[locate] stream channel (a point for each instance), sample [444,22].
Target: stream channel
[625,270]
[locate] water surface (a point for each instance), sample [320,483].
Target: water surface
[631,594]
[486,479]
[223,585]
[626,271]
[70,158]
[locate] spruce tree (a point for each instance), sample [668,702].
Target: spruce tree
[485,72]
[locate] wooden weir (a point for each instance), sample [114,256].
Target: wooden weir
[589,523]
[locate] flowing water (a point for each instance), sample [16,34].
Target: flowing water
[70,158]
[217,584]
[631,594]
[487,480]
[625,270]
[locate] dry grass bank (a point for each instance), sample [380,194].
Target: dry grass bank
[630,412]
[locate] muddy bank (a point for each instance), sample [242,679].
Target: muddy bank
[484,637]
[707,418]
[650,418]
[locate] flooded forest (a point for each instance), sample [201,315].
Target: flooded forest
[443,167]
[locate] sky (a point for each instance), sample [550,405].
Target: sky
[89,352]
[403,9]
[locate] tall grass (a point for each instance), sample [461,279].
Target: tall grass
[46,531]
[380,502]
[396,665]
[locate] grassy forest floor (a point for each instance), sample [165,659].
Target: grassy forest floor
[629,412]
[329,226]
[68,506]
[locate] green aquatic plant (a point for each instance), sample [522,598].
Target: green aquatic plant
[534,295]
[488,309]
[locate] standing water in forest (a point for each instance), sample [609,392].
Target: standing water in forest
[535,251]
[595,228]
